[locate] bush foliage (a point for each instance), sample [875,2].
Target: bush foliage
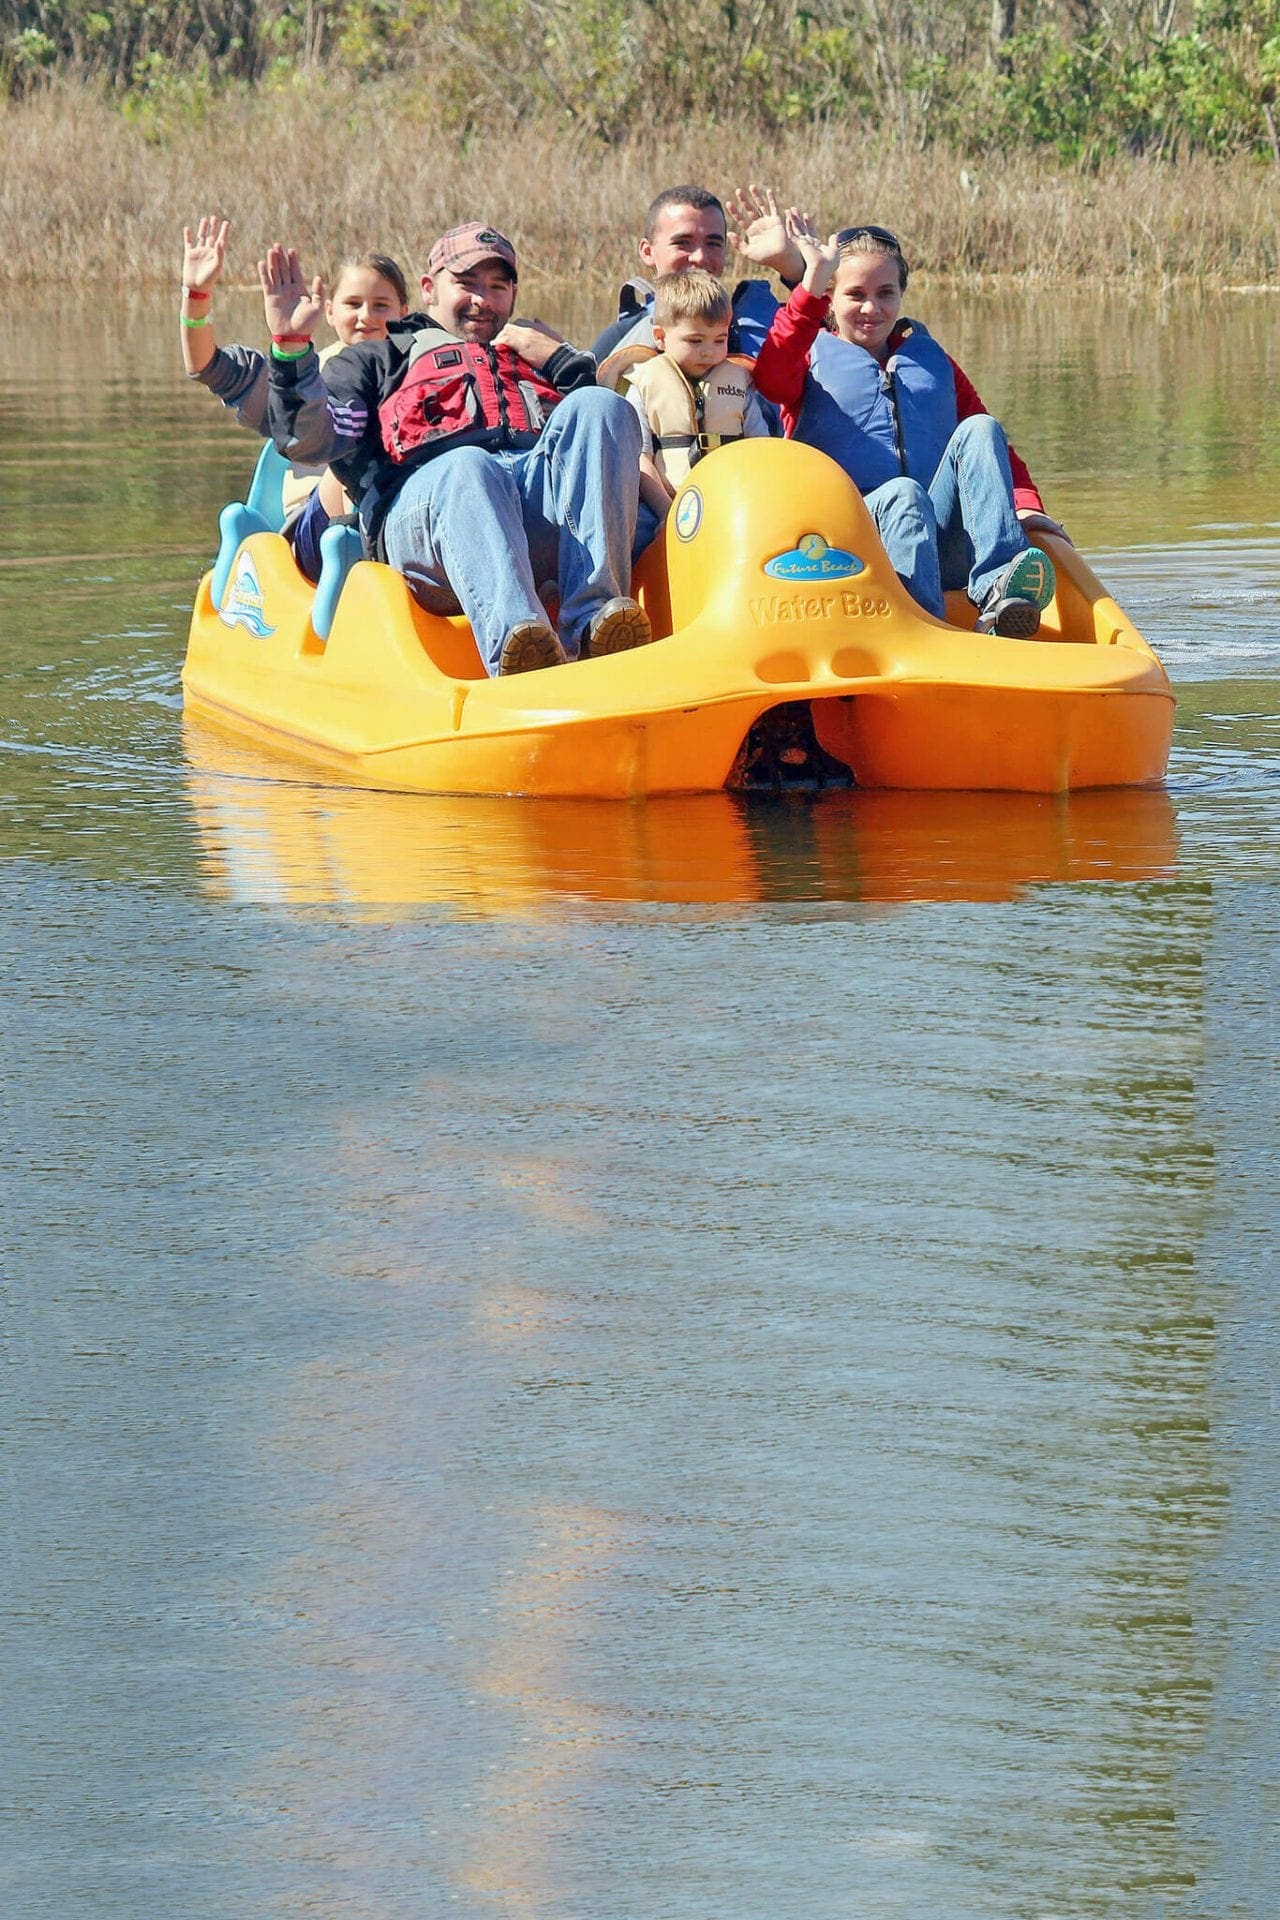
[1082,78]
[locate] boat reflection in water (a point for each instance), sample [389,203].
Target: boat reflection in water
[302,843]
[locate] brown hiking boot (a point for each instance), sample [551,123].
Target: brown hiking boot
[529,646]
[616,628]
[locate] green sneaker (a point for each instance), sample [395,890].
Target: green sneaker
[1014,602]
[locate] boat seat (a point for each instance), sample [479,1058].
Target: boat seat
[263,512]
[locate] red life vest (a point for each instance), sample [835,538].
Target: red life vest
[456,391]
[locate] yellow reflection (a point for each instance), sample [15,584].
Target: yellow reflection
[303,843]
[540,1183]
[548,1605]
[988,846]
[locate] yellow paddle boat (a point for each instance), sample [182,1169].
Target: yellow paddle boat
[788,653]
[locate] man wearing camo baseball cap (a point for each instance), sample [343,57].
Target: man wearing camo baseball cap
[481,454]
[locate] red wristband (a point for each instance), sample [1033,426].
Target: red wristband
[291,339]
[196,293]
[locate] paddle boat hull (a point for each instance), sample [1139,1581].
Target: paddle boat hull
[768,588]
[302,842]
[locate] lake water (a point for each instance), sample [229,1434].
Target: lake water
[690,1362]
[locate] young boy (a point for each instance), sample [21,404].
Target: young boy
[690,395]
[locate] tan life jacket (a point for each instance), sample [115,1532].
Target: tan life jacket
[638,347]
[688,420]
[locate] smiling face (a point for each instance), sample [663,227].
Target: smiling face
[866,299]
[361,305]
[685,237]
[476,303]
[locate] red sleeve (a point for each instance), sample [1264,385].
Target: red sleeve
[782,365]
[968,402]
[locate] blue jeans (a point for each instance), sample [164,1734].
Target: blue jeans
[962,531]
[303,534]
[647,526]
[494,525]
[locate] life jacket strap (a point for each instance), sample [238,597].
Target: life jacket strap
[705,442]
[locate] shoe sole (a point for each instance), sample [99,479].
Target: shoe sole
[1030,578]
[527,649]
[1026,588]
[1013,620]
[618,632]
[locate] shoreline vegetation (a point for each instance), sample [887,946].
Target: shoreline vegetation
[92,194]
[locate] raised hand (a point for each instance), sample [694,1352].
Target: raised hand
[759,231]
[203,252]
[291,303]
[820,257]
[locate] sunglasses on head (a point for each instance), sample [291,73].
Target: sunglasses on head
[882,234]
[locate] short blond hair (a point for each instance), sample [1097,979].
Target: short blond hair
[691,295]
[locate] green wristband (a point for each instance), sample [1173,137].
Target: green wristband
[285,353]
[207,321]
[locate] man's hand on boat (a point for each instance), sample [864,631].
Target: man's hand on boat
[293,305]
[1033,522]
[533,340]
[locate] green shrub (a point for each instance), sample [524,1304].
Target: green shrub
[916,76]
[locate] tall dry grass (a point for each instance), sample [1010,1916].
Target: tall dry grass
[84,197]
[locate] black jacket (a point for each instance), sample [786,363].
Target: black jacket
[329,416]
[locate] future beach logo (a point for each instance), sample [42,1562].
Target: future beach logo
[242,603]
[812,559]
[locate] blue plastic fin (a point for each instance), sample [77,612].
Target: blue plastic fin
[266,489]
[235,524]
[340,548]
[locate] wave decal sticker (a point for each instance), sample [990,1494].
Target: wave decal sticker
[812,559]
[242,603]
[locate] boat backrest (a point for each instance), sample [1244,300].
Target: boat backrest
[266,489]
[235,523]
[340,548]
